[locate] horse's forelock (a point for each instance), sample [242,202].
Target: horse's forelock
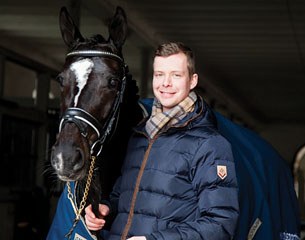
[94,42]
[98,38]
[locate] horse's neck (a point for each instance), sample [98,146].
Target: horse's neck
[114,152]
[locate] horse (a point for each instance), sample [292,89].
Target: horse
[99,106]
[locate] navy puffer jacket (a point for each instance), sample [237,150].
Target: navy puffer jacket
[172,186]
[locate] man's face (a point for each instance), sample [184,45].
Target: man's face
[171,80]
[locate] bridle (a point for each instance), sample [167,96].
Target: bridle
[82,119]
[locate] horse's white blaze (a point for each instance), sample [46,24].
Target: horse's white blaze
[81,69]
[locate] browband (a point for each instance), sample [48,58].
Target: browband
[94,53]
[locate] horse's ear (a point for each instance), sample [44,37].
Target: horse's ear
[118,28]
[69,31]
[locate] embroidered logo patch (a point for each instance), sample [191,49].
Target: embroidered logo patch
[79,237]
[222,171]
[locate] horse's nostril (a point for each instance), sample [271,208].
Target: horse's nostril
[79,160]
[56,160]
[56,163]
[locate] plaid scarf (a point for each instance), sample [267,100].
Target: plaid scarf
[158,119]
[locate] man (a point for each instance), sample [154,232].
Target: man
[178,180]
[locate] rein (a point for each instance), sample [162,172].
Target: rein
[82,119]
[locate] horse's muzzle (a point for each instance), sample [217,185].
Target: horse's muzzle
[69,165]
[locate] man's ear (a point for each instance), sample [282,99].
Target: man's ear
[194,81]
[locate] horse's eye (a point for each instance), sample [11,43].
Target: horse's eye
[60,79]
[114,83]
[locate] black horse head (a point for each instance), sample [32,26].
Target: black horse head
[92,86]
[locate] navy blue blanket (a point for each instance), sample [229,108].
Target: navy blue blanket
[266,193]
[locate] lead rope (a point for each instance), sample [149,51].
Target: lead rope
[84,199]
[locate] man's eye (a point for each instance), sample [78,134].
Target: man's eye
[177,76]
[158,75]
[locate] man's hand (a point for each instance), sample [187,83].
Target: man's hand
[137,238]
[94,223]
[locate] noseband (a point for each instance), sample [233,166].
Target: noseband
[82,119]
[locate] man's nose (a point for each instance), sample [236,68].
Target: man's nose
[167,81]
